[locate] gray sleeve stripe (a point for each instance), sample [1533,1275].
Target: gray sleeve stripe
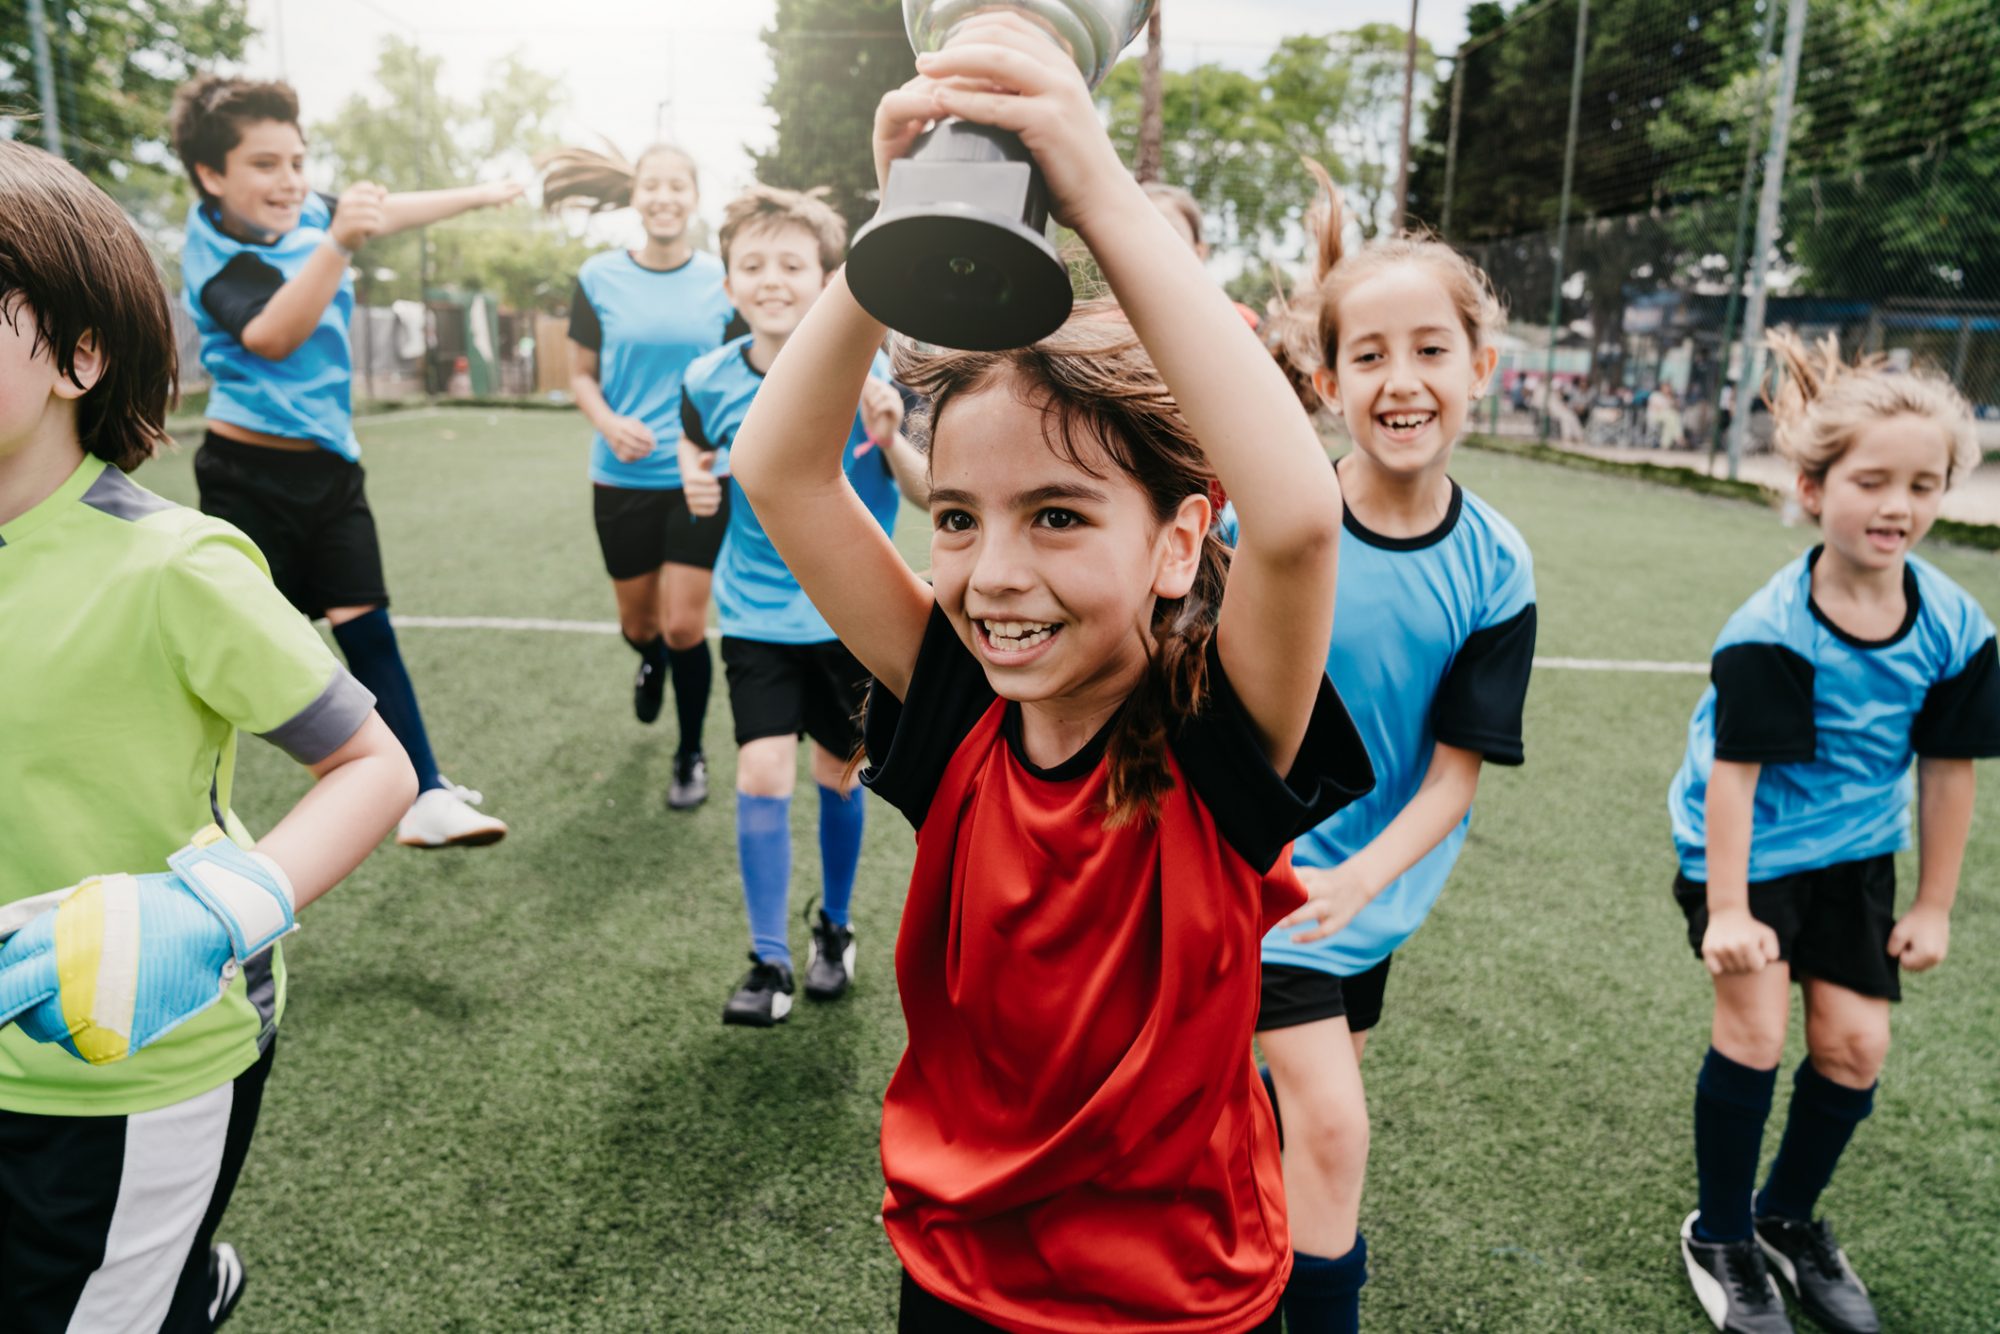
[323,726]
[119,496]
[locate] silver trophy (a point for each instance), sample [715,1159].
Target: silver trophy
[958,254]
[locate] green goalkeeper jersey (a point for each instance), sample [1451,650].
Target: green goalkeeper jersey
[137,639]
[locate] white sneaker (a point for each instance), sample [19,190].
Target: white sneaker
[442,817]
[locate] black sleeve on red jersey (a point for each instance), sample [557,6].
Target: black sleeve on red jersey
[1256,811]
[239,293]
[910,742]
[1960,719]
[691,423]
[1480,701]
[584,328]
[1763,705]
[734,327]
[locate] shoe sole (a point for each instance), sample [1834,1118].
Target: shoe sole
[687,804]
[483,838]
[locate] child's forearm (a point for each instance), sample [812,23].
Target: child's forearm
[1440,803]
[1945,791]
[420,208]
[294,310]
[590,400]
[910,468]
[1731,801]
[363,788]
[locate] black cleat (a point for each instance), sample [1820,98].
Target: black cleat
[1808,1258]
[649,687]
[763,998]
[830,961]
[1732,1284]
[690,786]
[225,1276]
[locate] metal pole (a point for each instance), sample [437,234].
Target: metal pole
[1451,142]
[1767,226]
[1151,83]
[1561,256]
[45,78]
[423,233]
[1742,234]
[1409,103]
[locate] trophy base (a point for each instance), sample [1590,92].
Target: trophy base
[957,256]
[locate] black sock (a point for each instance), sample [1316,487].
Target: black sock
[653,650]
[1731,1104]
[1822,1120]
[1324,1296]
[693,673]
[370,645]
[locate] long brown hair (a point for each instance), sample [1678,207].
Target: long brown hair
[71,261]
[600,178]
[1100,396]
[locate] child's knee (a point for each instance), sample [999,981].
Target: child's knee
[767,767]
[1750,1038]
[1850,1054]
[683,631]
[1332,1138]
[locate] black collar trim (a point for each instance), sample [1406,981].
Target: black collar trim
[647,268]
[1912,605]
[744,352]
[1436,535]
[1076,766]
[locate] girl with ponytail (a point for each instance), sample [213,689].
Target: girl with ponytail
[1432,647]
[637,318]
[1105,745]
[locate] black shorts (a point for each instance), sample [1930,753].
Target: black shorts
[1294,996]
[1833,922]
[306,511]
[639,531]
[106,1218]
[813,690]
[921,1313]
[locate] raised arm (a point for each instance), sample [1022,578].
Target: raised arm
[1277,614]
[294,310]
[787,458]
[420,208]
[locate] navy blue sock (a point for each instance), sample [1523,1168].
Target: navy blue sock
[1324,1296]
[653,650]
[369,642]
[764,848]
[840,823]
[1822,1120]
[1731,1104]
[694,673]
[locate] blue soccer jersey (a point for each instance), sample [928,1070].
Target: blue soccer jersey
[1834,720]
[755,595]
[226,283]
[1433,640]
[646,326]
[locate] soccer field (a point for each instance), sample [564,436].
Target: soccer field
[504,1099]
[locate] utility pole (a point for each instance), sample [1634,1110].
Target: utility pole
[1767,226]
[1451,141]
[1151,82]
[1742,236]
[1409,101]
[45,78]
[1561,255]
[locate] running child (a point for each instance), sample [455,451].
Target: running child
[139,1005]
[266,275]
[788,675]
[1431,650]
[1104,753]
[636,320]
[1793,799]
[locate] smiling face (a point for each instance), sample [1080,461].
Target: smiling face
[1405,371]
[1049,571]
[1878,499]
[774,276]
[664,194]
[262,183]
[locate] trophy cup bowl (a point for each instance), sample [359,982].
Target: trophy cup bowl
[958,252]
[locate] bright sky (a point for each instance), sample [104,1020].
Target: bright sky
[694,71]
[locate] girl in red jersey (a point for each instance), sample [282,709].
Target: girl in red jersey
[1104,753]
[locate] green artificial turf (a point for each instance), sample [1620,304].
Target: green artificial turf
[503,1099]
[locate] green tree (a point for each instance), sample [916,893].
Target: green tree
[833,60]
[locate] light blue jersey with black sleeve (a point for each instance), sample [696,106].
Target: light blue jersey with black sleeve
[226,283]
[1834,720]
[756,597]
[646,326]
[1433,640]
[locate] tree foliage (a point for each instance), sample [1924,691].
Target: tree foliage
[833,60]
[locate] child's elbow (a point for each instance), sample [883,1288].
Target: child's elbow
[262,341]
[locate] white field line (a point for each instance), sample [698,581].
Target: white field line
[539,625]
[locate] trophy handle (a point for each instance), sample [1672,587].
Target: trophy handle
[958,254]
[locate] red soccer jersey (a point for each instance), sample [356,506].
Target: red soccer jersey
[1076,1138]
